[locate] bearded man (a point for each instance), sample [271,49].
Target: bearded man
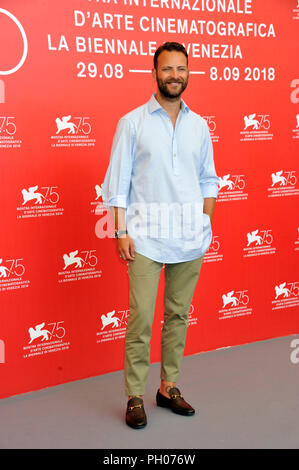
[162,187]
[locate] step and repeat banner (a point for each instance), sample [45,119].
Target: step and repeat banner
[68,72]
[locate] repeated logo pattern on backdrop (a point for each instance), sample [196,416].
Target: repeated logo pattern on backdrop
[65,80]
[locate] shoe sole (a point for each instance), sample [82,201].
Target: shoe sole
[176,412]
[141,426]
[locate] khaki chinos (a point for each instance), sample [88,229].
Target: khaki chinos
[180,282]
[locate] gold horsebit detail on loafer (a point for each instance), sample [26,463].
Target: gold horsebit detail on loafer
[135,406]
[175,396]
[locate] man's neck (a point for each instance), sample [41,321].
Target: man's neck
[171,105]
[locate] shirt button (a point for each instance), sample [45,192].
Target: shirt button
[174,154]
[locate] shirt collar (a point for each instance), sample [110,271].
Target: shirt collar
[154,105]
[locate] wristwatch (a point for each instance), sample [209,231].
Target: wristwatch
[118,233]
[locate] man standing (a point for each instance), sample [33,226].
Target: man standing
[162,186]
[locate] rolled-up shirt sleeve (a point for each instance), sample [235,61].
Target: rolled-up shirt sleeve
[208,179]
[117,180]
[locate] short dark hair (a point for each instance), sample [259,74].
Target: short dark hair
[169,46]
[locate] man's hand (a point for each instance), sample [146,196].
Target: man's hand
[125,246]
[209,206]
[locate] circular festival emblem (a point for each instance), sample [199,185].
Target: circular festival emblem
[23,58]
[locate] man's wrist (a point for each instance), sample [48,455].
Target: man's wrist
[119,233]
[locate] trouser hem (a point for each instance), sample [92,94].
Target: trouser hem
[134,394]
[169,379]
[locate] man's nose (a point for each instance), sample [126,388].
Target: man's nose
[174,74]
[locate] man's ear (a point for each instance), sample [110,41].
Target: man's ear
[154,74]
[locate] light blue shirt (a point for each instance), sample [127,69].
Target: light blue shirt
[160,175]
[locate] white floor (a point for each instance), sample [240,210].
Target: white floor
[245,397]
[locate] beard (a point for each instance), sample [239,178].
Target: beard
[166,92]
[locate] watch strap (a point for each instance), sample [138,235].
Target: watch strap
[118,233]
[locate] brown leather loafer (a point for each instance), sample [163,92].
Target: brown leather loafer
[176,402]
[135,415]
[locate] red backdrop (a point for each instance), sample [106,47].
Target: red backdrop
[68,72]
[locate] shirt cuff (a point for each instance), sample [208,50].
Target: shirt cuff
[209,190]
[118,201]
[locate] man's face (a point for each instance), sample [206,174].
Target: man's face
[171,74]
